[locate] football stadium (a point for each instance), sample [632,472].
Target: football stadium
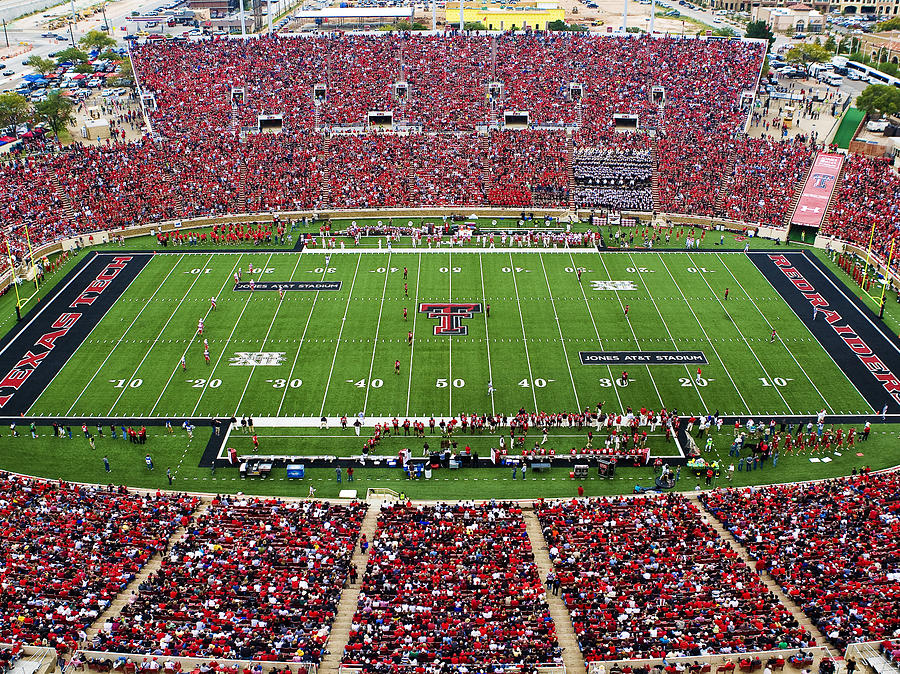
[452,352]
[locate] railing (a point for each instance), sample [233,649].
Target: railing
[868,654]
[185,664]
[714,661]
[382,493]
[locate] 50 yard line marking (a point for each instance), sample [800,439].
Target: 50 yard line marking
[450,337]
[412,348]
[268,332]
[562,341]
[119,341]
[300,345]
[512,267]
[387,273]
[487,336]
[162,330]
[340,332]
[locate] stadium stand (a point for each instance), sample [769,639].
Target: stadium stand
[451,586]
[252,578]
[68,550]
[646,577]
[831,545]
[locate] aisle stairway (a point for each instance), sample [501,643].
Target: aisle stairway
[766,579]
[325,182]
[63,197]
[798,189]
[565,633]
[654,188]
[340,629]
[152,565]
[487,178]
[725,183]
[242,190]
[570,158]
[826,221]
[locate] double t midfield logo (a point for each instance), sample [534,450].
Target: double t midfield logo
[450,315]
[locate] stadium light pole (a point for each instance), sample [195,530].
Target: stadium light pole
[243,21]
[625,17]
[269,12]
[433,16]
[652,15]
[462,17]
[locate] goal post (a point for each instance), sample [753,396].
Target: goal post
[17,280]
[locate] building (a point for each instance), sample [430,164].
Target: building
[821,6]
[216,8]
[794,18]
[868,7]
[505,19]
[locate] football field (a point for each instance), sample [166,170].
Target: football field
[492,331]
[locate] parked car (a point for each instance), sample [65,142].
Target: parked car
[877,126]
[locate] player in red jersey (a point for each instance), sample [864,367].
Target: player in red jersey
[396,367]
[409,337]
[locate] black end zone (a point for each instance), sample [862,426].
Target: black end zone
[301,243]
[852,335]
[34,353]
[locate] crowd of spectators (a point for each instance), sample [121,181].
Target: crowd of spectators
[648,578]
[528,168]
[833,546]
[451,586]
[69,550]
[252,579]
[765,177]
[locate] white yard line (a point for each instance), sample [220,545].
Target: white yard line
[690,375]
[562,340]
[587,304]
[771,327]
[631,327]
[224,346]
[450,338]
[387,274]
[340,332]
[300,345]
[512,267]
[268,332]
[413,347]
[487,336]
[162,330]
[118,341]
[703,330]
[747,343]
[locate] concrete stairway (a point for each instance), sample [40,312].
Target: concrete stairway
[151,567]
[565,633]
[63,197]
[487,180]
[570,160]
[340,629]
[242,190]
[325,182]
[766,579]
[654,183]
[798,188]
[725,183]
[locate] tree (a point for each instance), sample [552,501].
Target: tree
[831,44]
[725,31]
[761,31]
[110,55]
[41,65]
[96,39]
[71,54]
[882,99]
[560,25]
[56,110]
[808,53]
[83,68]
[14,109]
[890,24]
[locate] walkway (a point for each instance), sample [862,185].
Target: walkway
[565,633]
[340,629]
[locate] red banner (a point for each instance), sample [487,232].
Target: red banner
[817,190]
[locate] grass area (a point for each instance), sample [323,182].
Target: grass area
[849,123]
[700,25]
[73,459]
[334,352]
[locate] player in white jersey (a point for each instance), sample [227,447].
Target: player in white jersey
[212,303]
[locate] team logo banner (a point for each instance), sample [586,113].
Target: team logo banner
[817,190]
[288,285]
[642,357]
[450,315]
[255,358]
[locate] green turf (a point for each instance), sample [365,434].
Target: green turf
[849,123]
[339,347]
[74,460]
